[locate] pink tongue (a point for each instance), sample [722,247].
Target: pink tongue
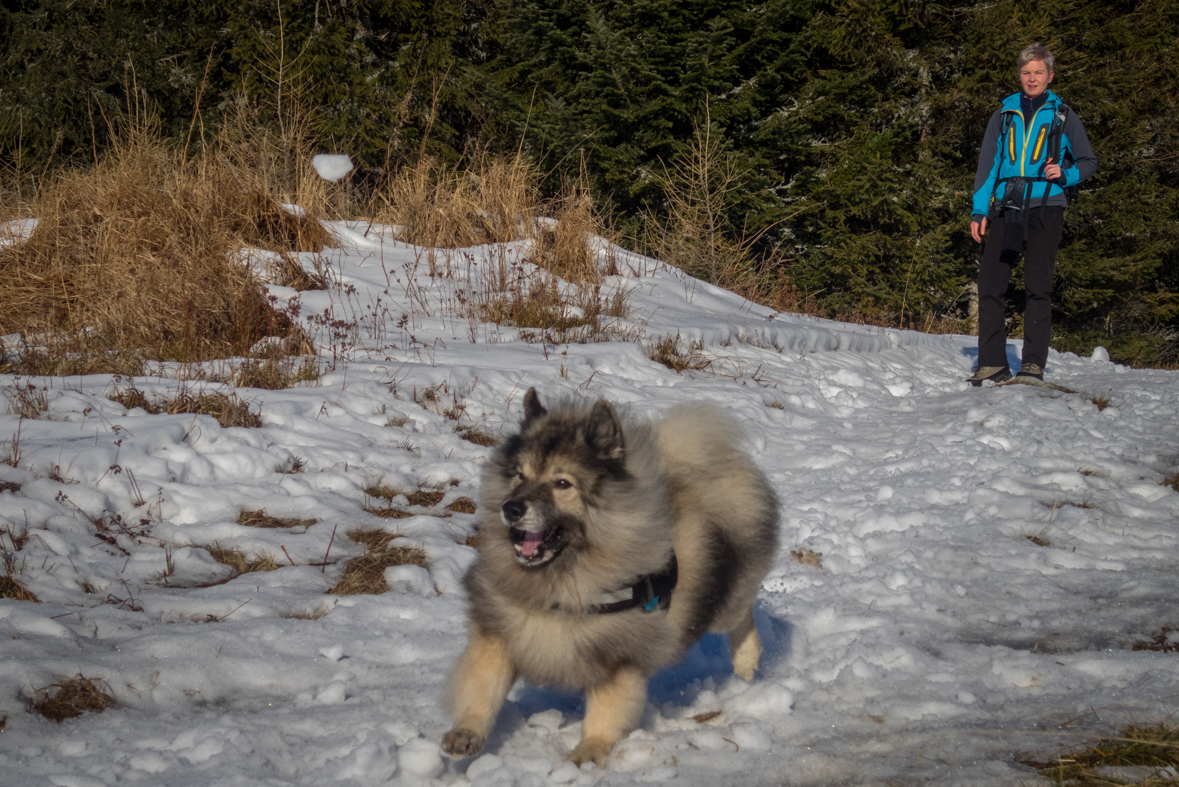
[531,543]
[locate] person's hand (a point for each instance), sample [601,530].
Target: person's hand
[978,229]
[1052,171]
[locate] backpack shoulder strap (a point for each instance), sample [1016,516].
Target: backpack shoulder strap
[1056,131]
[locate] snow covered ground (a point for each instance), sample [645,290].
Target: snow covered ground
[914,630]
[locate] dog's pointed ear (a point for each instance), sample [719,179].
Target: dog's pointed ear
[532,406]
[604,432]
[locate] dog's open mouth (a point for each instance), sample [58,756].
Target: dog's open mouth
[537,548]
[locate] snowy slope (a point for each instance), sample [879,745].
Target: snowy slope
[931,641]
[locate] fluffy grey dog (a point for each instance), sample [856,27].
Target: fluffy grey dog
[607,548]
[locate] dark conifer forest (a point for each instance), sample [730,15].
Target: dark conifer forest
[849,130]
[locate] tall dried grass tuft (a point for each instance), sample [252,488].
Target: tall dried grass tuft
[439,207]
[135,258]
[563,246]
[494,200]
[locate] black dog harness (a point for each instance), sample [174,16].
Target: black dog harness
[650,592]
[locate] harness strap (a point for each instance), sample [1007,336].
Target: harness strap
[650,592]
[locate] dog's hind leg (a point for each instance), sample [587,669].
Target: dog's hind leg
[612,710]
[480,683]
[745,647]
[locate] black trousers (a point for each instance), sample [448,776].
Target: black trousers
[994,272]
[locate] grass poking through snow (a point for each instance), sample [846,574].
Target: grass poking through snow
[426,497]
[228,410]
[237,560]
[463,505]
[671,352]
[10,588]
[262,519]
[807,557]
[366,574]
[1141,755]
[1166,641]
[71,697]
[477,437]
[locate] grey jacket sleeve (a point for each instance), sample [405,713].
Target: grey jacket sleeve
[988,168]
[1079,149]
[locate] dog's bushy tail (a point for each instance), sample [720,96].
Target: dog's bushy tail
[700,434]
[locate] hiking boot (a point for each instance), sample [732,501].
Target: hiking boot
[1033,370]
[995,374]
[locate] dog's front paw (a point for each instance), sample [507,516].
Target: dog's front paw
[461,742]
[593,750]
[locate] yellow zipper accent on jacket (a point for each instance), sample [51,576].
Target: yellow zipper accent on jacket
[1039,143]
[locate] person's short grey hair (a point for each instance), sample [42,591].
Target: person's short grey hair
[1036,51]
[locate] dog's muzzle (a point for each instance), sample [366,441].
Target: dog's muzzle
[533,547]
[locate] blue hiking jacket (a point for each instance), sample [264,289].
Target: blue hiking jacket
[1024,153]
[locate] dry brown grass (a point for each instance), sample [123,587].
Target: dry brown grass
[262,519]
[228,410]
[388,512]
[1150,750]
[26,401]
[492,200]
[534,302]
[1102,401]
[237,560]
[316,614]
[10,588]
[71,697]
[136,258]
[678,355]
[281,369]
[807,557]
[292,274]
[381,491]
[562,246]
[438,207]
[1159,642]
[366,574]
[426,497]
[463,505]
[478,438]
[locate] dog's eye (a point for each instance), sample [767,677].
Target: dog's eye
[562,483]
[518,476]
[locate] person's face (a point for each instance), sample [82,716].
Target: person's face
[1034,77]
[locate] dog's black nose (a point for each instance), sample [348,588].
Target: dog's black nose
[514,509]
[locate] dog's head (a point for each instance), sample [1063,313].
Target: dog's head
[552,474]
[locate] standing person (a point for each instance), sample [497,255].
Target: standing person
[1034,152]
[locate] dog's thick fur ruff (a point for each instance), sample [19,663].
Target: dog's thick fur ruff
[581,503]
